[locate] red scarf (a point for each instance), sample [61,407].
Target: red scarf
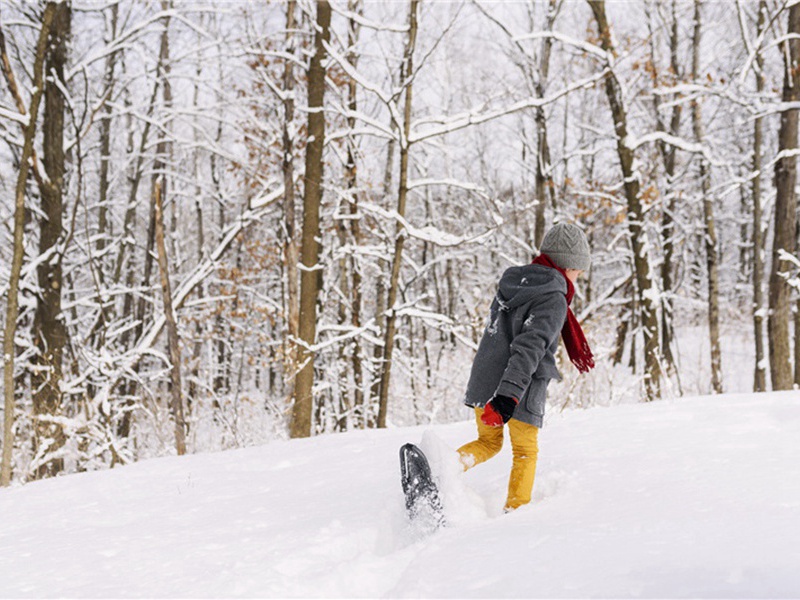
[577,347]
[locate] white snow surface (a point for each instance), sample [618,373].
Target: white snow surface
[697,497]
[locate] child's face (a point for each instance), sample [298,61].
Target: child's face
[573,274]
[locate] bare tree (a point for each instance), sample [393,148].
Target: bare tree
[173,339]
[12,307]
[400,234]
[631,186]
[709,229]
[669,157]
[49,330]
[290,247]
[785,212]
[760,370]
[310,250]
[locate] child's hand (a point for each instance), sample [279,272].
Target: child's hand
[498,411]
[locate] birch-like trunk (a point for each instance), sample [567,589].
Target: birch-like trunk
[400,234]
[780,359]
[636,231]
[12,306]
[302,409]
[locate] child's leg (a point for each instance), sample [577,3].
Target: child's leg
[489,443]
[525,447]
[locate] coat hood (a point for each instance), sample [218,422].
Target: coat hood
[520,285]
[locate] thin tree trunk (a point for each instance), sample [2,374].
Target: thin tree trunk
[12,306]
[312,198]
[351,171]
[48,324]
[97,335]
[635,214]
[400,234]
[290,247]
[127,389]
[105,139]
[380,299]
[197,346]
[668,154]
[545,187]
[785,216]
[159,167]
[709,230]
[173,339]
[760,371]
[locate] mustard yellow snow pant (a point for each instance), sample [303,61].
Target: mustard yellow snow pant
[524,446]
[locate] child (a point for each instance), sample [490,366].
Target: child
[516,357]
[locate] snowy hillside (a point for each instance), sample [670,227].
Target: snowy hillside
[693,498]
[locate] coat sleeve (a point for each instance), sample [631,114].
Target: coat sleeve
[541,327]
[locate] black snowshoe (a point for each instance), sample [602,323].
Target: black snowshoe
[423,504]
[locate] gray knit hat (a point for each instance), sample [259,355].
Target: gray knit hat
[567,246]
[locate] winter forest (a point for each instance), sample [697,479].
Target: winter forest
[229,222]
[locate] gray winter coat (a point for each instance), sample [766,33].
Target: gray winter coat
[516,356]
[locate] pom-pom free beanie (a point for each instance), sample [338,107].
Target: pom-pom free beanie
[567,246]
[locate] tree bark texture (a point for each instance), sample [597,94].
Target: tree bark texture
[785,216]
[48,324]
[310,251]
[635,214]
[12,306]
[400,234]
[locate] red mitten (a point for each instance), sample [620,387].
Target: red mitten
[498,411]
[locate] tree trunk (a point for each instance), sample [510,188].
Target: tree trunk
[785,216]
[668,155]
[760,371]
[159,166]
[351,171]
[105,138]
[12,306]
[199,326]
[290,249]
[135,178]
[97,335]
[172,328]
[48,324]
[310,252]
[709,230]
[636,231]
[400,234]
[545,187]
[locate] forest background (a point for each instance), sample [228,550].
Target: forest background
[232,222]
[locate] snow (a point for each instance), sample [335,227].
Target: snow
[698,497]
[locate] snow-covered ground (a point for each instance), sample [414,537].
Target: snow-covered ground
[698,497]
